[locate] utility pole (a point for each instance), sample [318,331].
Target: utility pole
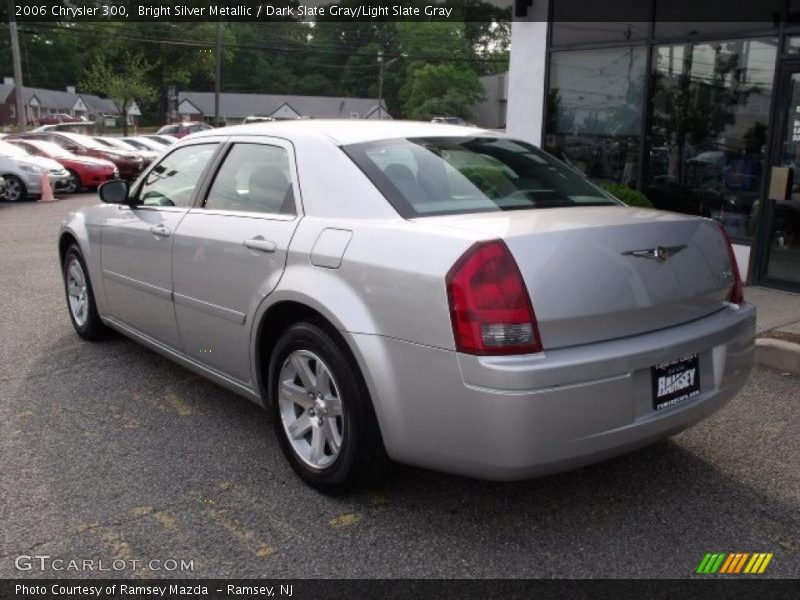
[218,73]
[380,84]
[22,117]
[381,65]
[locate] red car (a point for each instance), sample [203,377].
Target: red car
[180,130]
[84,171]
[57,118]
[130,164]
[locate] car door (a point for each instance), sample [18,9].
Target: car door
[136,252]
[230,251]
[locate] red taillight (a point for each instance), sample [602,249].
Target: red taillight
[737,292]
[490,307]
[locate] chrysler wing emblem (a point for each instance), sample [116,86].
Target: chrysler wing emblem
[659,253]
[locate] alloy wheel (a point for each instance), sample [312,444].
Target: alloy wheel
[311,409]
[14,190]
[77,292]
[73,183]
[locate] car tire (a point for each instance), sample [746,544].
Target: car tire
[73,183]
[15,188]
[339,412]
[80,297]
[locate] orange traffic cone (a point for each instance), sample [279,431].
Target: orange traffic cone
[47,189]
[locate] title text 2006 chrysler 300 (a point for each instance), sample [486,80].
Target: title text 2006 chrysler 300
[460,299]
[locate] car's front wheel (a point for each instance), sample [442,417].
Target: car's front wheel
[80,297]
[15,189]
[322,412]
[73,183]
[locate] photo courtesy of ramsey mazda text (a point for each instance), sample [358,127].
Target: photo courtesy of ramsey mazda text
[438,295]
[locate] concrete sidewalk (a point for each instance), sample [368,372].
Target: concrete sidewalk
[777,328]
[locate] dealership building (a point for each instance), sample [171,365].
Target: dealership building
[700,115]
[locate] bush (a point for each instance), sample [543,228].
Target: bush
[629,196]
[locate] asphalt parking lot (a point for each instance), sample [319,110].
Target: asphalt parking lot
[111,452]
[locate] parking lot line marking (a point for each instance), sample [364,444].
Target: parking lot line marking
[168,522]
[141,511]
[265,551]
[345,520]
[244,535]
[179,405]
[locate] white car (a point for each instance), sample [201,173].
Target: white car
[23,172]
[117,144]
[164,138]
[143,143]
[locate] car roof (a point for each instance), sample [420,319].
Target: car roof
[349,131]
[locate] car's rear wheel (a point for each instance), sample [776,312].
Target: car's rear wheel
[80,297]
[322,412]
[15,189]
[73,183]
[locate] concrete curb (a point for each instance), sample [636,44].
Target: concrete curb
[778,354]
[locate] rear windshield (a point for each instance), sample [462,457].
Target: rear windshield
[169,129]
[438,176]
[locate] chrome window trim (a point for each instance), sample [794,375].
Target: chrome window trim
[199,210]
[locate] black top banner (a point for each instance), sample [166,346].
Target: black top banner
[251,10]
[631,11]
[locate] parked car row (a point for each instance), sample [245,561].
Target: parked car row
[73,161]
[180,130]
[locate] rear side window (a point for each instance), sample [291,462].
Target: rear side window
[172,181]
[253,178]
[437,176]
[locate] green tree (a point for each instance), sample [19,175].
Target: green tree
[124,83]
[445,89]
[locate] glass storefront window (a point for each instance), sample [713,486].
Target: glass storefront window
[589,32]
[792,45]
[595,110]
[581,22]
[784,237]
[708,129]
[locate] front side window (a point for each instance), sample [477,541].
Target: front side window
[253,178]
[172,181]
[435,176]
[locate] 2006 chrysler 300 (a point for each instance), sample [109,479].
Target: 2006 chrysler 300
[462,300]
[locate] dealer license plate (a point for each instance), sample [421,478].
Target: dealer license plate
[675,382]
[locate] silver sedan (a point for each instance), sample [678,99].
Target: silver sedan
[448,297]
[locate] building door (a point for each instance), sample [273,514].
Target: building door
[780,244]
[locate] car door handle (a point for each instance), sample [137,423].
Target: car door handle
[260,244]
[160,231]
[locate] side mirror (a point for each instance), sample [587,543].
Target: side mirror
[114,191]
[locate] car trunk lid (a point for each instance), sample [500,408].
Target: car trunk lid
[600,273]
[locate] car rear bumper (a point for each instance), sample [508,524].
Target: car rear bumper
[514,417]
